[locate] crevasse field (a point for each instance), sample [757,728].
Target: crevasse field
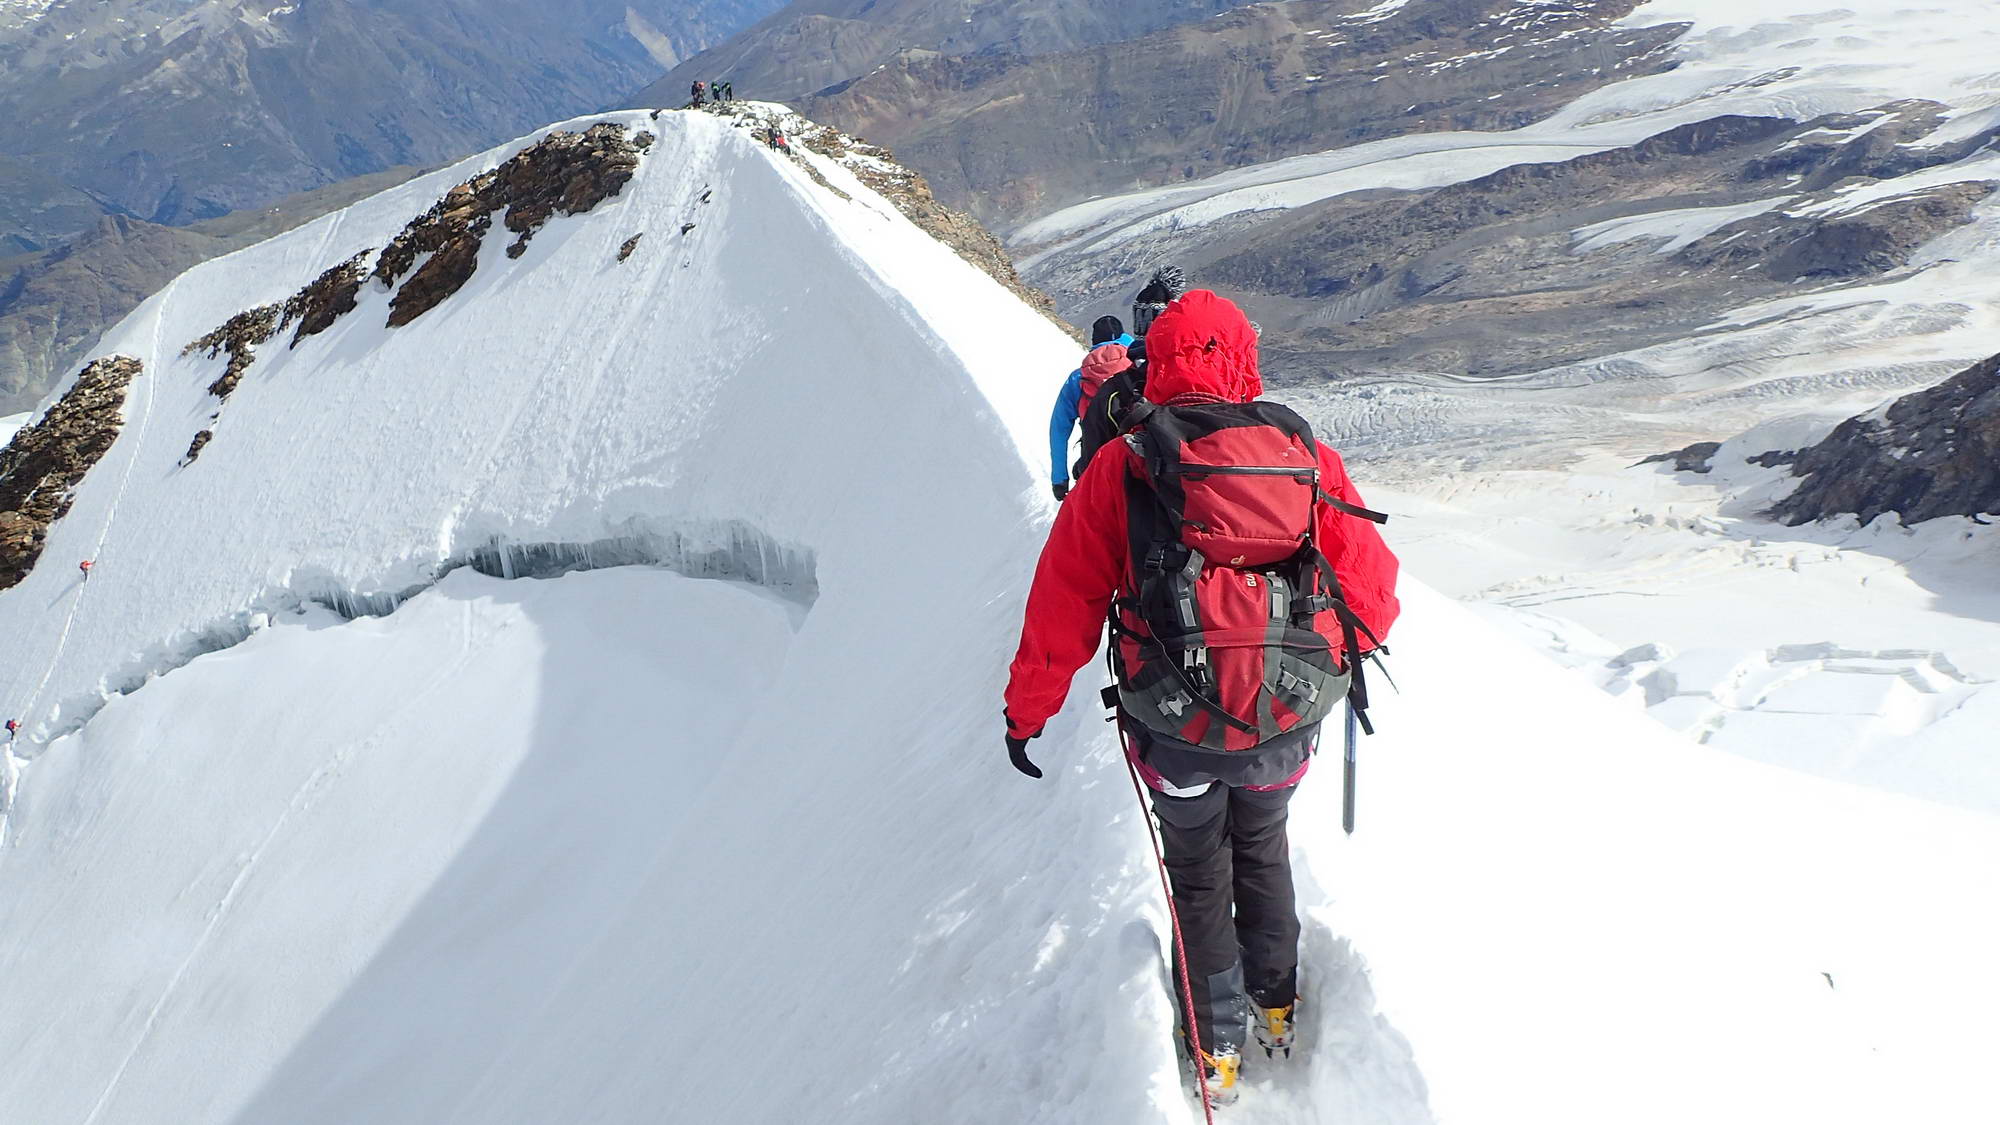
[702,814]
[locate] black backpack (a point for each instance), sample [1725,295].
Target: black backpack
[1103,420]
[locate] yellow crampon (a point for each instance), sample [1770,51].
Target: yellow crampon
[1220,1073]
[1274,1029]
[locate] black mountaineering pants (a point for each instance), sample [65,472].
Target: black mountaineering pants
[1227,848]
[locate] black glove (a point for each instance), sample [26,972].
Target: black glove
[1061,488]
[1017,752]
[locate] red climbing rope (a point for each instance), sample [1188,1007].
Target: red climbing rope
[1180,946]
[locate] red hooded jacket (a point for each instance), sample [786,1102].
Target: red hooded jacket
[1201,349]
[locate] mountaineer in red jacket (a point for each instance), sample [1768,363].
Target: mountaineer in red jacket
[1244,582]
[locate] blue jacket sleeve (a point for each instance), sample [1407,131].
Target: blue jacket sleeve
[1060,424]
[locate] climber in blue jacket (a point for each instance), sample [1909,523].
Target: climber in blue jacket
[1107,330]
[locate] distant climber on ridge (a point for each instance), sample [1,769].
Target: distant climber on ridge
[698,93]
[1162,289]
[1107,357]
[1241,601]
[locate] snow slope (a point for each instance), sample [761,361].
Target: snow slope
[1868,654]
[638,844]
[11,423]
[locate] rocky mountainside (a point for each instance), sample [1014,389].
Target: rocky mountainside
[1930,454]
[41,467]
[811,45]
[172,112]
[1013,137]
[1016,113]
[54,304]
[1544,264]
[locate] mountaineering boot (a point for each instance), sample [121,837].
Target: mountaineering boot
[1274,1028]
[1219,1073]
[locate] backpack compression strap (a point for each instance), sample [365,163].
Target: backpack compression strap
[1352,629]
[1339,505]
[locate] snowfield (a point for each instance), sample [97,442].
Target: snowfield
[717,826]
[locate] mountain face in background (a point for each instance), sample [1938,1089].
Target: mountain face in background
[1013,138]
[140,137]
[1563,261]
[1011,127]
[815,44]
[174,112]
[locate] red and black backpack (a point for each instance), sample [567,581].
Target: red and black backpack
[1234,630]
[1103,362]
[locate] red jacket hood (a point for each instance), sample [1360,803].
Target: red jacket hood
[1104,362]
[1202,344]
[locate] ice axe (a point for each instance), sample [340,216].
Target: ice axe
[1347,771]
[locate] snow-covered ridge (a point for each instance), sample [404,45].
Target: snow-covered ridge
[464,473]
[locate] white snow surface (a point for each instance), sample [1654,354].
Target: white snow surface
[636,845]
[1777,58]
[12,423]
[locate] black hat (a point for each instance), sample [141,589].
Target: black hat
[1105,330]
[1162,289]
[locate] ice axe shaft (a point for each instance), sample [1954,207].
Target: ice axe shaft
[1347,773]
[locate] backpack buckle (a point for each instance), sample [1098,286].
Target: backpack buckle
[1195,662]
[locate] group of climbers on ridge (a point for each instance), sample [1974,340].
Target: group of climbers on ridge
[1110,379]
[719,91]
[1244,584]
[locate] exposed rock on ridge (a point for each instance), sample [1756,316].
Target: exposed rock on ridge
[55,305]
[41,467]
[564,172]
[1930,454]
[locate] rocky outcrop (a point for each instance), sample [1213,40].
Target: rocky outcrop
[238,337]
[1930,454]
[41,468]
[329,297]
[910,194]
[324,300]
[1696,458]
[1861,242]
[567,173]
